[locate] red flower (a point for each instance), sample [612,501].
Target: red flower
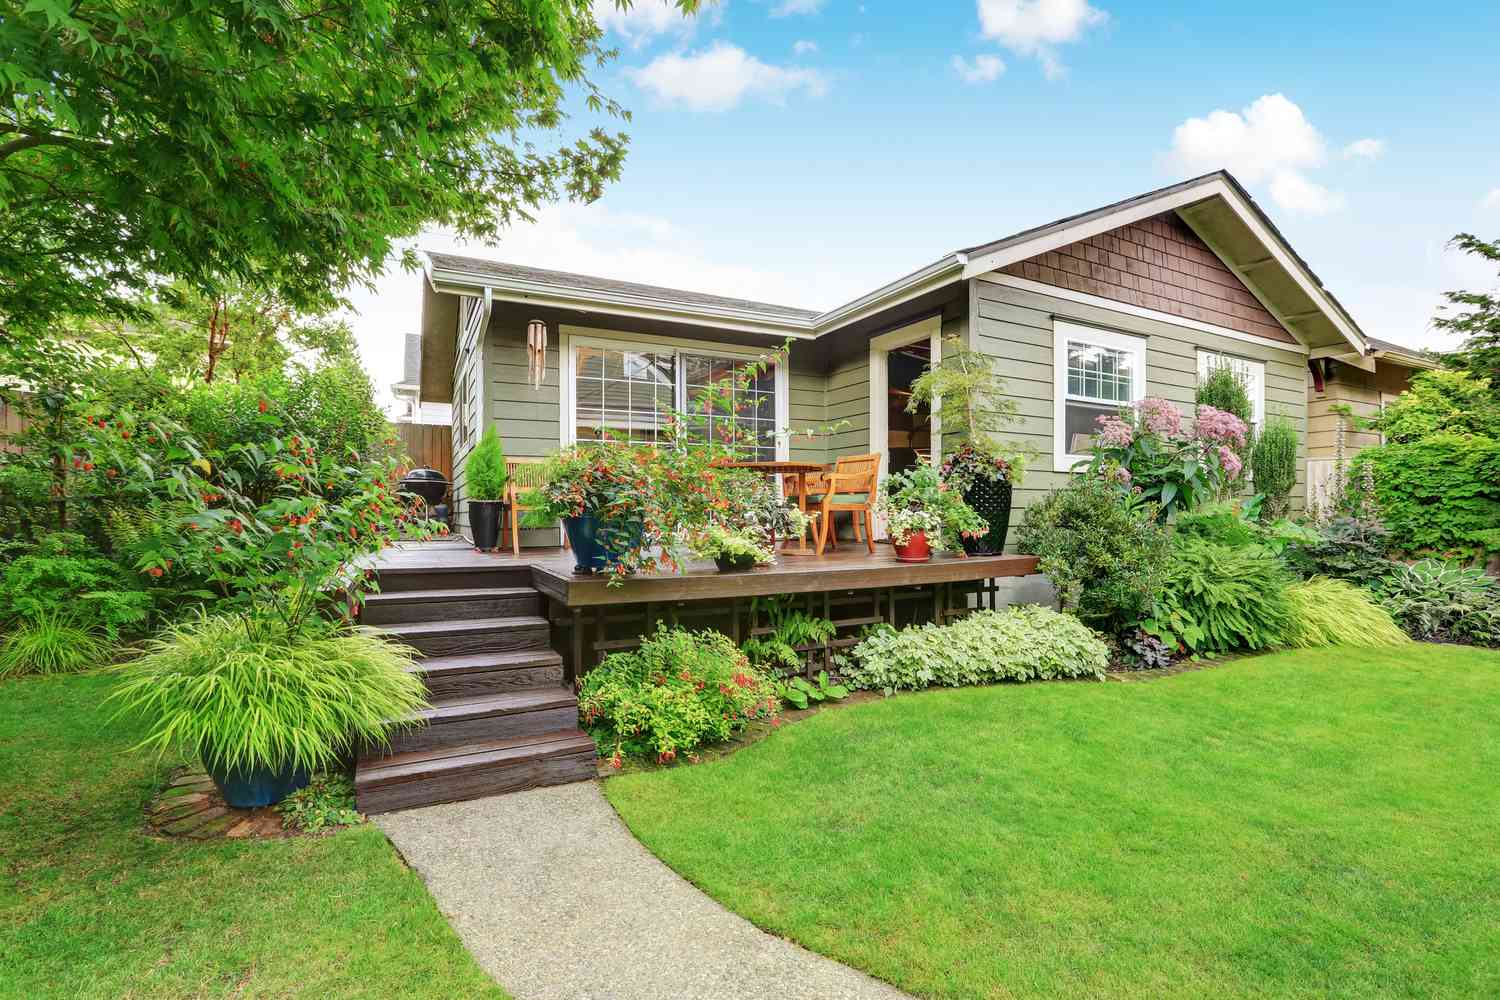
[263,406]
[154,571]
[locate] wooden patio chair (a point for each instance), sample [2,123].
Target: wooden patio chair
[817,489]
[521,475]
[852,487]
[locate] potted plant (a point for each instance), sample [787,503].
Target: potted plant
[263,701]
[604,495]
[732,550]
[975,407]
[484,485]
[922,513]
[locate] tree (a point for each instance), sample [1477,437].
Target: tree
[1478,320]
[285,143]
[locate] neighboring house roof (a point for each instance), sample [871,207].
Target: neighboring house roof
[1215,206]
[1387,350]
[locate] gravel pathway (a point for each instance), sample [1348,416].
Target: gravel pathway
[558,901]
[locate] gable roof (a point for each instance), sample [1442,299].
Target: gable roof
[1214,205]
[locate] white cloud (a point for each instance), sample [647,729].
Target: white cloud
[1270,141]
[642,21]
[1491,200]
[1037,27]
[1365,149]
[983,69]
[803,46]
[720,77]
[788,8]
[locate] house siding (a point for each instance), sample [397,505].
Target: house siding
[1015,326]
[467,413]
[848,406]
[1158,263]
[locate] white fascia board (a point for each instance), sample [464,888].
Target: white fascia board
[934,276]
[616,304]
[1210,187]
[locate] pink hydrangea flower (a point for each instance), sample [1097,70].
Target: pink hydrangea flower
[1114,432]
[1221,427]
[1230,461]
[1159,416]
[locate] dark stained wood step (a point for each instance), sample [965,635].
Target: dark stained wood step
[450,604]
[474,635]
[456,721]
[491,767]
[394,580]
[489,673]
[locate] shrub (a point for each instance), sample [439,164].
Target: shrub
[1147,449]
[52,643]
[1437,600]
[484,470]
[1344,548]
[1219,598]
[1441,401]
[242,692]
[1337,613]
[1102,549]
[679,690]
[65,576]
[1440,494]
[1020,643]
[1273,465]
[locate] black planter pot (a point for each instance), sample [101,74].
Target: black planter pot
[593,552]
[734,564]
[255,787]
[484,522]
[991,501]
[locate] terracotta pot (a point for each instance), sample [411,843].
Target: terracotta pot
[915,549]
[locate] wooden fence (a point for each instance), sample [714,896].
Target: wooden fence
[429,445]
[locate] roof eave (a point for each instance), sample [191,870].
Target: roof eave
[939,273]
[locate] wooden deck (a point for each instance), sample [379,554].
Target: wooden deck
[848,568]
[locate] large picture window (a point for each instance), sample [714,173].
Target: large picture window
[623,392]
[1096,373]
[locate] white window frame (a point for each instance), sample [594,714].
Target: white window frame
[1256,379]
[1063,334]
[571,338]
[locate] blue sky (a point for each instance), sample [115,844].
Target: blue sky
[806,151]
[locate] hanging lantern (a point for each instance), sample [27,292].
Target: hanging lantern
[536,352]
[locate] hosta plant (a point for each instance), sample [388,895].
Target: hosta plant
[799,692]
[1337,613]
[255,691]
[1433,599]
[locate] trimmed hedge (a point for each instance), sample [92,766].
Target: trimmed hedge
[1440,494]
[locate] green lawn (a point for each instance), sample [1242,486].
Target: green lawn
[90,907]
[1310,824]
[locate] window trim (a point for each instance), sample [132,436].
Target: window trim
[572,337]
[1257,398]
[1063,333]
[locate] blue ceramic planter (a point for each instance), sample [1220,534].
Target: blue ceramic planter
[258,786]
[591,554]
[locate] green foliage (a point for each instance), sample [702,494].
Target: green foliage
[484,470]
[1343,548]
[1273,466]
[719,542]
[1224,389]
[1442,401]
[284,144]
[52,643]
[1478,320]
[1220,598]
[975,406]
[678,691]
[63,576]
[324,803]
[240,692]
[799,692]
[1019,643]
[1336,613]
[1440,494]
[1103,550]
[1146,449]
[1433,599]
[792,630]
[918,499]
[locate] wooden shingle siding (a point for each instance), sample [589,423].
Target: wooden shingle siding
[1158,263]
[1015,326]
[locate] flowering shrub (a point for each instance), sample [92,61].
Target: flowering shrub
[1145,449]
[679,690]
[1020,643]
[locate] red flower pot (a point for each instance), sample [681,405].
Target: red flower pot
[916,548]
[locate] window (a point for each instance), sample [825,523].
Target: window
[1096,373]
[624,393]
[1252,373]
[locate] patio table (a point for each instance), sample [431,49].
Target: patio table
[799,471]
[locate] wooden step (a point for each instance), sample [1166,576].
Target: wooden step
[489,673]
[490,767]
[451,604]
[395,580]
[473,635]
[452,722]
